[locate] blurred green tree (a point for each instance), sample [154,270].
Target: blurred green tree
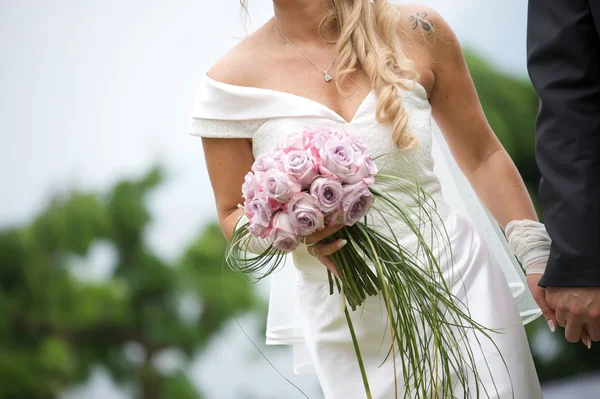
[55,327]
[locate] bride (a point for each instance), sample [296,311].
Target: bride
[380,72]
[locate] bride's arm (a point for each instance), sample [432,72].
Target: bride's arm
[477,150]
[227,161]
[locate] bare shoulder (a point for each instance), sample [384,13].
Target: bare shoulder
[429,41]
[239,66]
[423,23]
[424,27]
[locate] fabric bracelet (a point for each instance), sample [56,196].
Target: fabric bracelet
[530,243]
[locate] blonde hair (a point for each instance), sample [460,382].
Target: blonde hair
[244,15]
[375,50]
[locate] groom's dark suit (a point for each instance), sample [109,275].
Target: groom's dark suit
[564,65]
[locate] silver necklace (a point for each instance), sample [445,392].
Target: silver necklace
[325,71]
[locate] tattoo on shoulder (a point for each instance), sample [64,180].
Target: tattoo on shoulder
[420,20]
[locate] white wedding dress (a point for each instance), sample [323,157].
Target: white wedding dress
[301,310]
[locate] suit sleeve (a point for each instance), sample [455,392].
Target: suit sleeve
[563,47]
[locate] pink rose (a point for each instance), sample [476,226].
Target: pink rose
[328,194]
[251,184]
[257,230]
[314,139]
[298,163]
[356,202]
[282,233]
[277,155]
[305,215]
[265,162]
[317,137]
[279,186]
[365,171]
[292,142]
[334,218]
[356,143]
[338,160]
[259,212]
[359,144]
[370,165]
[307,136]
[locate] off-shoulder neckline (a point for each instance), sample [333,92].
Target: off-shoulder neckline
[419,90]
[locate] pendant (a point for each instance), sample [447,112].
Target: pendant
[327,77]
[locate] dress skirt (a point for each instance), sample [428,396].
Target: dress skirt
[505,367]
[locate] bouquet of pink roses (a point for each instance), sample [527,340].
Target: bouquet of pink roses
[315,178]
[321,177]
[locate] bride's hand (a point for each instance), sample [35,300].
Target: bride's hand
[539,294]
[321,250]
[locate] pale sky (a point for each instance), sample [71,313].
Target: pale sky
[93,91]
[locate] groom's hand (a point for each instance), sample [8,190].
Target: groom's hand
[577,309]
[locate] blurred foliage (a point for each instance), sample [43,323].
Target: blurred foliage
[511,105]
[55,327]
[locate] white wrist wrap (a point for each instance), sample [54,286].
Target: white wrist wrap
[530,243]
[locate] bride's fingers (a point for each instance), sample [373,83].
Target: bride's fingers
[322,252]
[327,249]
[326,260]
[320,235]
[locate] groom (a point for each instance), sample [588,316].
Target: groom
[564,65]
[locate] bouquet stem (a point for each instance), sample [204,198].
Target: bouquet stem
[361,365]
[357,278]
